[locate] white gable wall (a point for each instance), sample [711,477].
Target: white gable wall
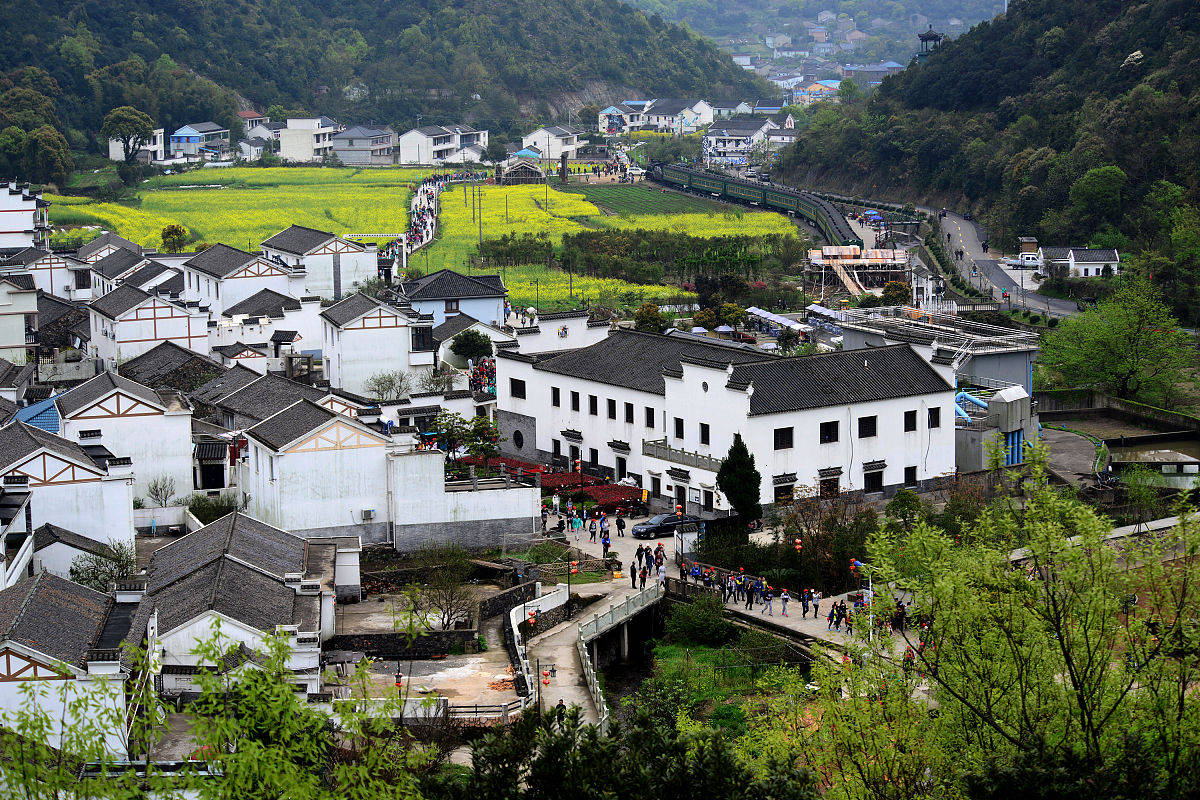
[142,328]
[159,442]
[381,341]
[485,309]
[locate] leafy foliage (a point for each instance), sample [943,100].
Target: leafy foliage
[471,344]
[740,481]
[701,621]
[99,571]
[649,319]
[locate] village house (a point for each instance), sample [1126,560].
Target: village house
[222,275]
[54,273]
[445,293]
[333,266]
[680,116]
[442,144]
[128,321]
[200,140]
[250,580]
[363,336]
[267,131]
[554,141]
[252,149]
[307,139]
[252,119]
[365,144]
[26,222]
[241,397]
[325,474]
[18,317]
[170,366]
[18,548]
[89,493]
[662,410]
[60,645]
[733,141]
[279,324]
[153,429]
[103,245]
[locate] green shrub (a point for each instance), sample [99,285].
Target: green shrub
[731,719]
[1036,319]
[702,621]
[482,643]
[210,509]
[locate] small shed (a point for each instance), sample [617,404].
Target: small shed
[519,171]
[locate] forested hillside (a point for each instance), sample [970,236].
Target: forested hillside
[470,60]
[1077,121]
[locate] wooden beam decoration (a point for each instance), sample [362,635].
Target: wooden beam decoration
[44,469]
[117,404]
[16,667]
[336,436]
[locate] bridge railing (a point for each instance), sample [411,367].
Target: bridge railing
[599,623]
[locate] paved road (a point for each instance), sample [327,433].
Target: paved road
[1026,296]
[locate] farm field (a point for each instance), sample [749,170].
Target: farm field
[241,206]
[639,198]
[554,290]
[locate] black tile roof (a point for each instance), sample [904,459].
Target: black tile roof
[22,280]
[636,360]
[446,284]
[14,375]
[1089,255]
[285,427]
[19,440]
[231,350]
[263,303]
[349,309]
[25,257]
[117,263]
[93,389]
[53,616]
[120,300]
[453,326]
[169,365]
[147,273]
[106,239]
[837,379]
[220,260]
[298,240]
[225,384]
[268,395]
[50,534]
[234,566]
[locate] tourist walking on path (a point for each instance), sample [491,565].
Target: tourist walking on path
[766,599]
[620,526]
[783,599]
[633,575]
[816,600]
[643,576]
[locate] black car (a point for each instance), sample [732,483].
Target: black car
[659,526]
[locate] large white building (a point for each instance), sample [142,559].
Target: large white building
[363,336]
[365,144]
[675,115]
[736,140]
[54,273]
[663,410]
[153,429]
[23,219]
[307,139]
[153,150]
[442,144]
[332,266]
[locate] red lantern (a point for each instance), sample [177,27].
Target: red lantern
[546,682]
[545,673]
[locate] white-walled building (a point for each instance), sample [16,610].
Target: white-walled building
[735,140]
[363,336]
[446,292]
[251,580]
[53,273]
[18,317]
[59,644]
[307,139]
[325,474]
[204,140]
[153,429]
[128,321]
[26,222]
[283,323]
[153,150]
[663,410]
[90,496]
[333,266]
[110,270]
[221,276]
[242,398]
[103,245]
[438,144]
[555,141]
[672,114]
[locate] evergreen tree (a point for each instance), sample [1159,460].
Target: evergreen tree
[740,480]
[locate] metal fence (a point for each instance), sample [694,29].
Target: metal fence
[598,624]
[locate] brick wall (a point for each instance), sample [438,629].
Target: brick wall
[390,646]
[507,600]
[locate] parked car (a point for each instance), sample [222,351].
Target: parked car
[659,526]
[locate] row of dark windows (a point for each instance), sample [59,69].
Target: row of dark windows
[868,427]
[610,405]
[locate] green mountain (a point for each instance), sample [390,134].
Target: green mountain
[477,61]
[1076,121]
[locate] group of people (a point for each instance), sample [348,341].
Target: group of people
[648,561]
[483,376]
[576,520]
[422,218]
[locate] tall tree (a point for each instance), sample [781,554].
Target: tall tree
[471,344]
[47,156]
[130,127]
[648,318]
[740,481]
[1130,346]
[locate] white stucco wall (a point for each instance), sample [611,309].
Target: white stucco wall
[159,444]
[100,509]
[484,309]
